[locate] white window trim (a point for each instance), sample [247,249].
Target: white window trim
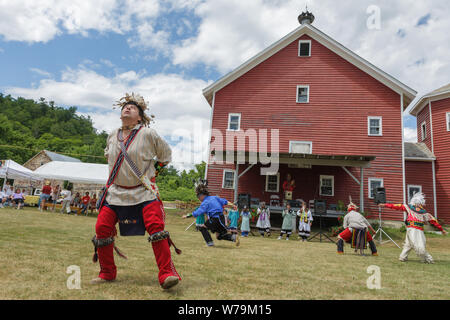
[223,178]
[369,183]
[413,186]
[296,93]
[332,186]
[278,183]
[229,121]
[423,133]
[299,45]
[448,121]
[381,126]
[295,141]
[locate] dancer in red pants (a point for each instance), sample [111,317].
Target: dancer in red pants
[131,201]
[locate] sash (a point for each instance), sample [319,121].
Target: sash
[116,168]
[146,182]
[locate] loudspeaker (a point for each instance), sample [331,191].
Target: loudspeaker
[380,195]
[288,195]
[295,203]
[244,200]
[320,207]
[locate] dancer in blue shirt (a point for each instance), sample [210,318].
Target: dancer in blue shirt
[213,207]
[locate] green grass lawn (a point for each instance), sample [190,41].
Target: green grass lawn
[37,248]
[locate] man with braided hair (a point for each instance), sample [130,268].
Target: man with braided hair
[131,197]
[213,207]
[415,221]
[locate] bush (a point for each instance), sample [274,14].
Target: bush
[181,193]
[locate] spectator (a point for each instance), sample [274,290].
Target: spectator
[55,196]
[18,198]
[9,195]
[67,198]
[93,203]
[85,203]
[45,195]
[2,198]
[6,187]
[77,200]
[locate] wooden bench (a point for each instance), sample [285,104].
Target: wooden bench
[72,208]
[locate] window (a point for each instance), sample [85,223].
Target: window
[304,48]
[300,147]
[228,179]
[423,127]
[234,121]
[273,183]
[375,126]
[302,94]
[327,186]
[412,190]
[448,121]
[373,184]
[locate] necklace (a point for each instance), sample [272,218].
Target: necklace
[120,136]
[128,127]
[123,128]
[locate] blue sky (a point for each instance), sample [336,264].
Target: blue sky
[87,53]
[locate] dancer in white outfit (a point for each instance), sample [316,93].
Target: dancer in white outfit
[263,223]
[417,218]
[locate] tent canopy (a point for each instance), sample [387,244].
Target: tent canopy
[12,170]
[75,172]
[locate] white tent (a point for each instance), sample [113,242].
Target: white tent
[10,169]
[75,172]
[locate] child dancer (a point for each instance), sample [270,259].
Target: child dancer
[245,224]
[286,227]
[263,223]
[304,225]
[233,217]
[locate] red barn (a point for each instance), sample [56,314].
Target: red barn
[431,173]
[328,117]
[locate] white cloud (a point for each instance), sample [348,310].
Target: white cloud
[410,134]
[41,72]
[232,31]
[43,20]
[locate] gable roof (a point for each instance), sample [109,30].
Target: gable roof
[59,157]
[53,157]
[407,93]
[418,151]
[438,94]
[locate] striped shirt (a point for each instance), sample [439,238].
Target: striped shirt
[146,149]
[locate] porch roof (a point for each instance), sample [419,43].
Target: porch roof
[294,158]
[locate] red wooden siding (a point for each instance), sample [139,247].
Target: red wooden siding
[424,116]
[421,173]
[335,119]
[442,152]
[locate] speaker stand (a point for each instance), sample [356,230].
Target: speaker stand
[380,229]
[320,233]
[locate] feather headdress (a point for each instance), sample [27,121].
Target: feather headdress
[138,100]
[418,199]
